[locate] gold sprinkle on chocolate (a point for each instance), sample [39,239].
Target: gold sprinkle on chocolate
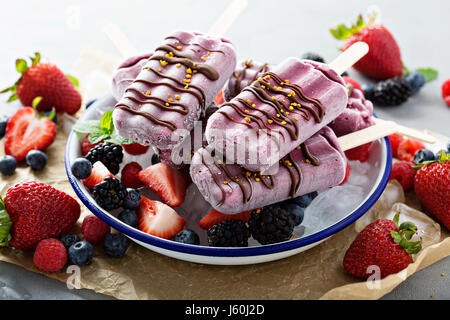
[177,96]
[283,122]
[225,182]
[188,76]
[270,121]
[236,75]
[163,63]
[178,65]
[247,119]
[170,100]
[167,104]
[148,92]
[179,47]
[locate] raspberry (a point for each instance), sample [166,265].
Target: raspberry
[353,82]
[94,229]
[446,89]
[395,140]
[403,172]
[135,148]
[50,255]
[408,148]
[360,153]
[129,176]
[347,174]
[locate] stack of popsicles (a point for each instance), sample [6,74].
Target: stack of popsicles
[268,142]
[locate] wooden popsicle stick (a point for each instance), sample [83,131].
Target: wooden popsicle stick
[381,129]
[231,13]
[120,40]
[349,57]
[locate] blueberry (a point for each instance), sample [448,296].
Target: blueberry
[368,89]
[81,253]
[68,239]
[132,200]
[448,146]
[304,200]
[296,211]
[128,217]
[8,165]
[3,122]
[345,74]
[423,155]
[416,80]
[115,245]
[81,168]
[187,236]
[55,117]
[90,102]
[36,159]
[155,159]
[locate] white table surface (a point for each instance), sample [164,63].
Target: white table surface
[266,31]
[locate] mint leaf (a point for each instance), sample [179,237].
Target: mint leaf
[21,65]
[116,138]
[74,80]
[97,136]
[106,122]
[429,74]
[87,126]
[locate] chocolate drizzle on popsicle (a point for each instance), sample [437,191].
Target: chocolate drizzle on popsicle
[249,178]
[173,56]
[247,65]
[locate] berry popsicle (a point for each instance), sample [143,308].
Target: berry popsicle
[126,73]
[277,112]
[180,79]
[316,164]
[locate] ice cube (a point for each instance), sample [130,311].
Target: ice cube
[427,229]
[392,194]
[325,210]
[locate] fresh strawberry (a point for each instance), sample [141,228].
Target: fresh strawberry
[446,92]
[46,80]
[353,82]
[382,244]
[218,100]
[347,174]
[26,131]
[395,139]
[86,145]
[384,59]
[168,183]
[408,148]
[39,211]
[158,219]
[403,172]
[216,217]
[360,153]
[129,176]
[135,148]
[50,255]
[432,187]
[98,174]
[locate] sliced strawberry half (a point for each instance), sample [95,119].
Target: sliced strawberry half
[168,183]
[25,131]
[98,174]
[135,148]
[158,219]
[86,145]
[216,217]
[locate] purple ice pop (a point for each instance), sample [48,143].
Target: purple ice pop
[276,113]
[246,72]
[315,165]
[126,72]
[180,79]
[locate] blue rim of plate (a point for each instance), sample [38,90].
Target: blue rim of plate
[228,252]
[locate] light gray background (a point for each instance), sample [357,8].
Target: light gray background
[267,31]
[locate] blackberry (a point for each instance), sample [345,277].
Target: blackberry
[392,92]
[110,154]
[271,224]
[110,193]
[313,56]
[229,233]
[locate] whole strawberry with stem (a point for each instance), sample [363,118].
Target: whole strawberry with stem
[46,80]
[38,211]
[383,244]
[432,187]
[384,59]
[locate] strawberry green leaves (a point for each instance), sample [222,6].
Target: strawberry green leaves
[74,80]
[443,157]
[102,130]
[405,232]
[5,225]
[21,65]
[342,32]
